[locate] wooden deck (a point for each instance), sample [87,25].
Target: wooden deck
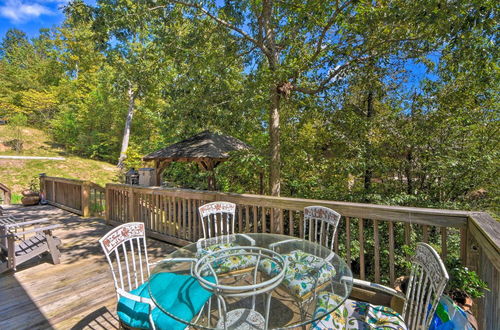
[76,294]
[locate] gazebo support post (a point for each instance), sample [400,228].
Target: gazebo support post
[160,167]
[209,165]
[211,181]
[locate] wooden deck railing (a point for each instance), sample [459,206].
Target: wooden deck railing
[483,256]
[366,238]
[367,230]
[84,198]
[5,194]
[374,239]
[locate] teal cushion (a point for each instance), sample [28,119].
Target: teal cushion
[181,295]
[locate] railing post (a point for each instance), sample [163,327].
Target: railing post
[54,191]
[483,256]
[107,206]
[85,199]
[5,191]
[131,210]
[42,184]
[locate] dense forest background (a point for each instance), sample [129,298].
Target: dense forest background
[388,103]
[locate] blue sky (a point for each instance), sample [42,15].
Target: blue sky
[30,15]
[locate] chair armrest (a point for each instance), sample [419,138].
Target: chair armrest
[134,297]
[36,230]
[378,287]
[248,238]
[272,246]
[193,260]
[330,256]
[25,223]
[198,244]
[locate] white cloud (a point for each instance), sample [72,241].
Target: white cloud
[19,11]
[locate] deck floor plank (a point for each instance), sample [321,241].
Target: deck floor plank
[76,294]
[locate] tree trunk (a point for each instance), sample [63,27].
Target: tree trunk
[274,135]
[368,147]
[408,170]
[128,125]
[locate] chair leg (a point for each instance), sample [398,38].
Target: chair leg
[11,253]
[54,251]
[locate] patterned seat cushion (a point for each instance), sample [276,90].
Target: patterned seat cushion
[235,260]
[305,272]
[355,315]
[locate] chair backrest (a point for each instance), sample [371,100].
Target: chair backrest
[320,225]
[127,255]
[428,279]
[217,218]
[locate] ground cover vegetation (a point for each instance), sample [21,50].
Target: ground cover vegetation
[20,174]
[381,102]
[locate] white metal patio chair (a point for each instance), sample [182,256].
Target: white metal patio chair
[126,252]
[307,273]
[427,281]
[218,222]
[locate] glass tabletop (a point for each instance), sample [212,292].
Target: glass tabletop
[313,275]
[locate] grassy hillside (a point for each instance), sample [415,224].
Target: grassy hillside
[17,174]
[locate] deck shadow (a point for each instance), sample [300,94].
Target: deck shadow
[101,318]
[17,306]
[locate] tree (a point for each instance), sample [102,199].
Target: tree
[306,47]
[29,71]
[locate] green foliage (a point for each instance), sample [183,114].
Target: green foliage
[431,143]
[16,198]
[464,280]
[34,184]
[134,158]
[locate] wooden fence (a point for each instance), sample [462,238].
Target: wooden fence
[84,198]
[5,194]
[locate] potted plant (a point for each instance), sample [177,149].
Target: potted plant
[464,285]
[31,196]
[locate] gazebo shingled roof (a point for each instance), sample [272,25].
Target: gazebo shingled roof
[206,148]
[200,146]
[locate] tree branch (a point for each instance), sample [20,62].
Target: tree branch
[327,27]
[216,19]
[324,84]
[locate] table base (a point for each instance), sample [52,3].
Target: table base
[243,319]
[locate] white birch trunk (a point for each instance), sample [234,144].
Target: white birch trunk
[128,125]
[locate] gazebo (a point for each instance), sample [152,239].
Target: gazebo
[206,148]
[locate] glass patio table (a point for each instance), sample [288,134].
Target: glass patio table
[287,308]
